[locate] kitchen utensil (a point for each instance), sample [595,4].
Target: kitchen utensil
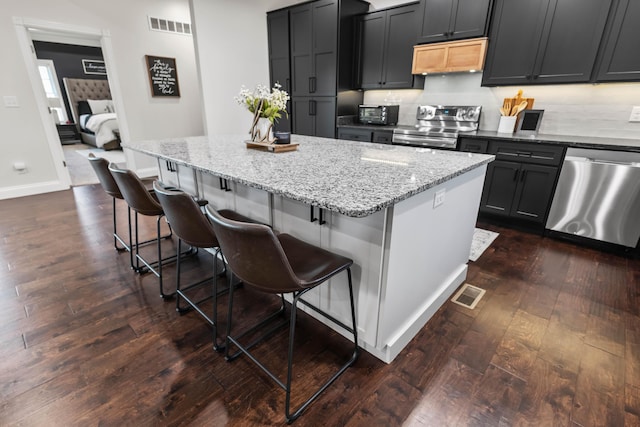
[517,109]
[507,107]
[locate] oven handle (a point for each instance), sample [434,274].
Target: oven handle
[439,142]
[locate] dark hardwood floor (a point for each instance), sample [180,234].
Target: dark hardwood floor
[555,341]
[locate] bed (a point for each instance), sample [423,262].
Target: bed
[93,112]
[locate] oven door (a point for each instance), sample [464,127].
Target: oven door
[424,141]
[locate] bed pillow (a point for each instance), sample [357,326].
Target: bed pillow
[83,108]
[100,106]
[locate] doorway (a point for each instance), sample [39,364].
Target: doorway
[28,31]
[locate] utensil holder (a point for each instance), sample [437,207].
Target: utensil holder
[507,124]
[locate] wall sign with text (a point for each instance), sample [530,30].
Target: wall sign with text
[163,76]
[92,66]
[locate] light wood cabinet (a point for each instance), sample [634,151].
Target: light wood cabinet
[449,57]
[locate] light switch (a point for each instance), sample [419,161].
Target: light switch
[635,114]
[11,102]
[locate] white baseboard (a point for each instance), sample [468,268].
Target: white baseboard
[31,189]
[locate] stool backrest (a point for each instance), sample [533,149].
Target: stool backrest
[188,222]
[254,254]
[134,192]
[101,168]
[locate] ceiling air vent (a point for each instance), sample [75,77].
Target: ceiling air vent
[169,26]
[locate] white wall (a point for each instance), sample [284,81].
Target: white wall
[147,117]
[601,110]
[231,53]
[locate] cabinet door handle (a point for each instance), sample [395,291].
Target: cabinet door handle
[515,175]
[312,84]
[287,84]
[523,175]
[312,107]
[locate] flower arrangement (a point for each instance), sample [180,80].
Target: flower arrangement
[262,102]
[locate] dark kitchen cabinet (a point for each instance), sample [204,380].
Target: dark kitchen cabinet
[544,41]
[314,59]
[314,116]
[320,62]
[278,35]
[520,182]
[518,190]
[365,135]
[386,48]
[445,20]
[353,134]
[621,55]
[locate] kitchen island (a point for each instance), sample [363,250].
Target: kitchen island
[404,215]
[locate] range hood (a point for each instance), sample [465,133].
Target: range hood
[449,57]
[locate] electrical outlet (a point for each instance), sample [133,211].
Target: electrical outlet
[438,199]
[11,101]
[635,114]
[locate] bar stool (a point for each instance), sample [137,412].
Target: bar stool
[191,226]
[145,203]
[279,264]
[101,168]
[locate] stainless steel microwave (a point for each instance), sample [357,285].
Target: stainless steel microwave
[378,114]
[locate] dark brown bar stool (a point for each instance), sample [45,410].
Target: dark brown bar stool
[279,264]
[145,203]
[101,168]
[191,226]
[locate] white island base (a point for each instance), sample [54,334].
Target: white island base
[409,258]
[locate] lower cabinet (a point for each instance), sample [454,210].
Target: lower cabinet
[314,116]
[521,181]
[366,135]
[518,190]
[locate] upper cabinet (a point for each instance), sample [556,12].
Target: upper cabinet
[449,57]
[621,55]
[386,40]
[314,48]
[444,20]
[311,48]
[544,41]
[278,32]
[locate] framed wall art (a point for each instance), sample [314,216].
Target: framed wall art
[163,76]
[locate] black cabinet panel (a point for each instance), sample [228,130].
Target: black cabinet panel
[533,195]
[500,187]
[544,41]
[382,136]
[621,55]
[513,44]
[387,38]
[354,134]
[278,33]
[314,116]
[445,20]
[473,145]
[372,55]
[520,182]
[568,52]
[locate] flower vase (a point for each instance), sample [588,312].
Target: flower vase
[261,131]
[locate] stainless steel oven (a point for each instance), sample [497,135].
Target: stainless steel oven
[438,126]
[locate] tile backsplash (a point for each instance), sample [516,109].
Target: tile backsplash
[600,110]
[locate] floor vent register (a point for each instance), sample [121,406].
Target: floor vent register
[468,296]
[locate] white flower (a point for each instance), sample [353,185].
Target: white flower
[272,102]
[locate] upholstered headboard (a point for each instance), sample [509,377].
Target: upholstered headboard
[83,89]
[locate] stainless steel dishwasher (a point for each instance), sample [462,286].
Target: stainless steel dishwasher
[598,196]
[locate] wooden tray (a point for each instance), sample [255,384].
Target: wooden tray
[275,148]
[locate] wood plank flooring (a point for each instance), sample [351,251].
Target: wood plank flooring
[555,341]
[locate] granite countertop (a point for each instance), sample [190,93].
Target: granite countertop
[621,144]
[353,178]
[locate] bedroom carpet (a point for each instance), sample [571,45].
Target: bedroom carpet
[482,239]
[80,170]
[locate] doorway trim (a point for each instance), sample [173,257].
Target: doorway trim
[24,28]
